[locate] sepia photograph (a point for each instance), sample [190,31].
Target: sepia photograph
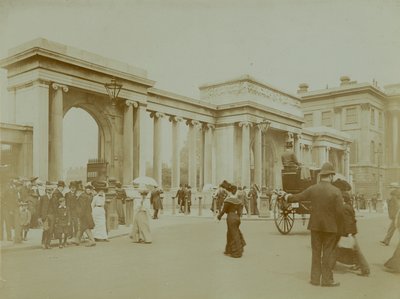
[199,149]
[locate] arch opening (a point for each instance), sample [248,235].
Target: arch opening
[80,143]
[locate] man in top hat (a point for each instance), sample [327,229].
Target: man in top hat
[46,214]
[393,208]
[289,159]
[325,220]
[71,200]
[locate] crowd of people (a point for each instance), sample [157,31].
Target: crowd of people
[72,212]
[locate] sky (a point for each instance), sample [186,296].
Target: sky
[184,44]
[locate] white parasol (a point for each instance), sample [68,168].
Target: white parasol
[145,183]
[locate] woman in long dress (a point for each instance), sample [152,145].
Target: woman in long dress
[233,208]
[99,215]
[141,228]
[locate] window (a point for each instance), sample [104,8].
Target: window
[351,115]
[380,119]
[327,119]
[308,120]
[372,116]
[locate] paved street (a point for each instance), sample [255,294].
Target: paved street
[186,261]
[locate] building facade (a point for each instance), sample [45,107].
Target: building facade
[237,128]
[370,116]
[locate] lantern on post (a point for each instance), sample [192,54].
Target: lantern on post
[113,88]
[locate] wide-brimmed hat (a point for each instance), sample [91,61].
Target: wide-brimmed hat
[88,186]
[100,186]
[327,168]
[233,199]
[342,185]
[394,185]
[73,184]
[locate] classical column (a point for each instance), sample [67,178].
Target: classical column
[128,142]
[139,149]
[157,146]
[258,161]
[346,157]
[192,155]
[176,140]
[245,173]
[395,137]
[364,138]
[297,146]
[56,132]
[208,153]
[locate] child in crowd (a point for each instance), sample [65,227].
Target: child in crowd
[25,219]
[62,222]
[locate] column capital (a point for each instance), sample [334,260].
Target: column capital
[328,148]
[173,118]
[129,103]
[194,123]
[365,106]
[156,114]
[209,126]
[57,86]
[245,124]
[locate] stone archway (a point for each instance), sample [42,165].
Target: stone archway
[109,123]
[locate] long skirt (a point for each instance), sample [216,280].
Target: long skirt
[234,238]
[99,218]
[394,262]
[120,212]
[141,228]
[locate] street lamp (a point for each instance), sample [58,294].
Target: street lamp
[113,90]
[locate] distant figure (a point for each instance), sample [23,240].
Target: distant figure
[25,219]
[253,196]
[393,209]
[120,196]
[62,222]
[241,195]
[393,264]
[289,159]
[155,199]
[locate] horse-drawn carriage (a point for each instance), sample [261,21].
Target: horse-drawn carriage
[284,212]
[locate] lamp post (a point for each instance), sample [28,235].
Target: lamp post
[113,88]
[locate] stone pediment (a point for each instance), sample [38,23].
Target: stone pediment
[246,89]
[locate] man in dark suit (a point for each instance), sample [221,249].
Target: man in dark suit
[46,215]
[325,222]
[71,199]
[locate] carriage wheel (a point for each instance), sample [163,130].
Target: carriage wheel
[284,218]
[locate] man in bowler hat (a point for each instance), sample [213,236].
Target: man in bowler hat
[325,222]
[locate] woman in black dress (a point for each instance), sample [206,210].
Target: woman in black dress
[233,208]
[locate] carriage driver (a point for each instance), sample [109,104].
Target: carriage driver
[289,159]
[325,221]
